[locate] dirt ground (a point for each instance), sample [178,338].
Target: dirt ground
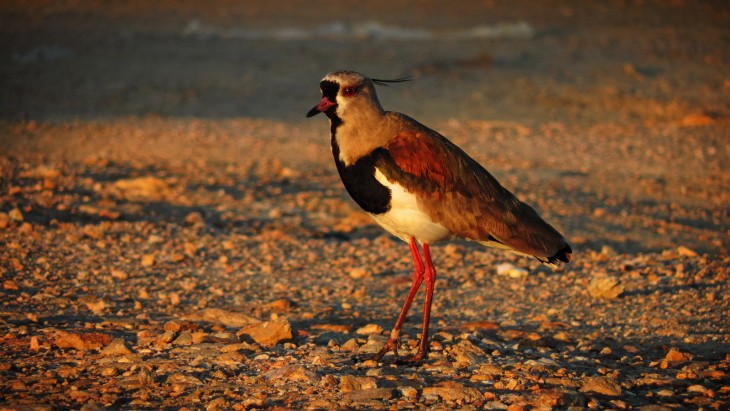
[174,235]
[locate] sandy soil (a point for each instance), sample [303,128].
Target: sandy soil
[173,232]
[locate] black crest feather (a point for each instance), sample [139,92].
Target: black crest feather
[382,82]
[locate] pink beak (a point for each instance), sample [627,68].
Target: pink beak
[323,106]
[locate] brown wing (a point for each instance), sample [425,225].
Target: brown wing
[460,194]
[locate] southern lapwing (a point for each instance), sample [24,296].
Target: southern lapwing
[422,188]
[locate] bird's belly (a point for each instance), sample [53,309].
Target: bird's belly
[404,218]
[407,223]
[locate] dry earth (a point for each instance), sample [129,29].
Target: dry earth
[173,233]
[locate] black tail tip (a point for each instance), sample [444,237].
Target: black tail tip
[564,254]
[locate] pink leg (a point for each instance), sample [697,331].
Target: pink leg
[392,343]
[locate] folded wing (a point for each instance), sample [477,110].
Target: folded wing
[460,194]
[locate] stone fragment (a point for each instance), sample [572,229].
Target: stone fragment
[96,305]
[333,327]
[369,329]
[16,215]
[549,398]
[653,379]
[217,404]
[141,188]
[116,347]
[494,404]
[480,325]
[491,370]
[352,383]
[322,404]
[465,354]
[81,341]
[291,373]
[655,407]
[41,172]
[408,392]
[109,372]
[601,385]
[509,270]
[374,344]
[371,394]
[697,388]
[675,356]
[232,358]
[181,379]
[195,219]
[453,391]
[281,305]
[605,287]
[686,252]
[511,384]
[119,275]
[184,338]
[268,333]
[147,260]
[166,337]
[173,326]
[696,120]
[225,317]
[238,347]
[10,285]
[90,405]
[714,374]
[358,272]
[350,345]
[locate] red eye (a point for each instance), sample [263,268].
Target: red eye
[349,91]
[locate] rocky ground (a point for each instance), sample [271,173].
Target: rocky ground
[173,233]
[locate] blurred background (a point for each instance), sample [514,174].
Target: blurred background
[511,60]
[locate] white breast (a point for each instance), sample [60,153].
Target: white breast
[405,219]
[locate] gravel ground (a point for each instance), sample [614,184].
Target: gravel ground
[173,233]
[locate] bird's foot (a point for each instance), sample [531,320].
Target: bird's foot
[390,345]
[416,359]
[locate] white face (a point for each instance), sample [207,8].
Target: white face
[346,97]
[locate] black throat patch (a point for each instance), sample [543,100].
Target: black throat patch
[359,180]
[329,91]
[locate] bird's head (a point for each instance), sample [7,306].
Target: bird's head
[347,92]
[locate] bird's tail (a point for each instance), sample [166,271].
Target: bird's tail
[564,254]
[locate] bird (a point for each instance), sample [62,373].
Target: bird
[422,188]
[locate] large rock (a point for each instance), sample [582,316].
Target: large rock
[602,385]
[267,333]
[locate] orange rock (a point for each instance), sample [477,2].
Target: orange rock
[281,305]
[480,325]
[333,327]
[268,333]
[81,341]
[675,356]
[695,120]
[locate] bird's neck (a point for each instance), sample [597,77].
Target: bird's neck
[358,136]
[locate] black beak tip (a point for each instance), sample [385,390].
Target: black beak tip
[313,112]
